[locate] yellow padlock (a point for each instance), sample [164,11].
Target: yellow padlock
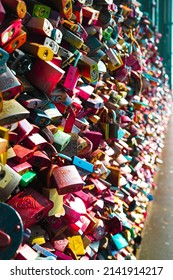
[76,244]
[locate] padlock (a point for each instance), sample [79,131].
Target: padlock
[27,178]
[47,134]
[60,244]
[90,15]
[85,152]
[5,176]
[95,102]
[119,241]
[76,244]
[95,137]
[98,184]
[26,85]
[38,9]
[12,112]
[72,76]
[59,95]
[29,102]
[101,170]
[114,176]
[83,125]
[23,129]
[22,153]
[25,252]
[93,44]
[83,166]
[68,184]
[81,32]
[46,41]
[114,224]
[71,38]
[31,206]
[115,59]
[61,140]
[69,121]
[77,11]
[111,127]
[77,28]
[97,154]
[52,112]
[40,26]
[71,25]
[66,55]
[16,7]
[4,58]
[17,42]
[42,251]
[65,8]
[10,180]
[114,128]
[71,149]
[49,76]
[34,141]
[56,35]
[20,168]
[50,150]
[37,235]
[19,62]
[104,123]
[43,52]
[94,119]
[39,160]
[85,91]
[9,30]
[82,195]
[44,175]
[107,33]
[10,85]
[10,239]
[88,69]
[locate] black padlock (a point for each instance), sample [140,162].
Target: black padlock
[19,62]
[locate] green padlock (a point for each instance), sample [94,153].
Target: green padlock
[107,33]
[61,140]
[27,178]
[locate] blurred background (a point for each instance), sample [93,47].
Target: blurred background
[157,236]
[161,14]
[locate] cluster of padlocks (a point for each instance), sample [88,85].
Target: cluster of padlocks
[84,107]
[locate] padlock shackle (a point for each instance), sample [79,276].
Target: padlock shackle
[112,116]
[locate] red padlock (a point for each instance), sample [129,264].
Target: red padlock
[31,206]
[67,179]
